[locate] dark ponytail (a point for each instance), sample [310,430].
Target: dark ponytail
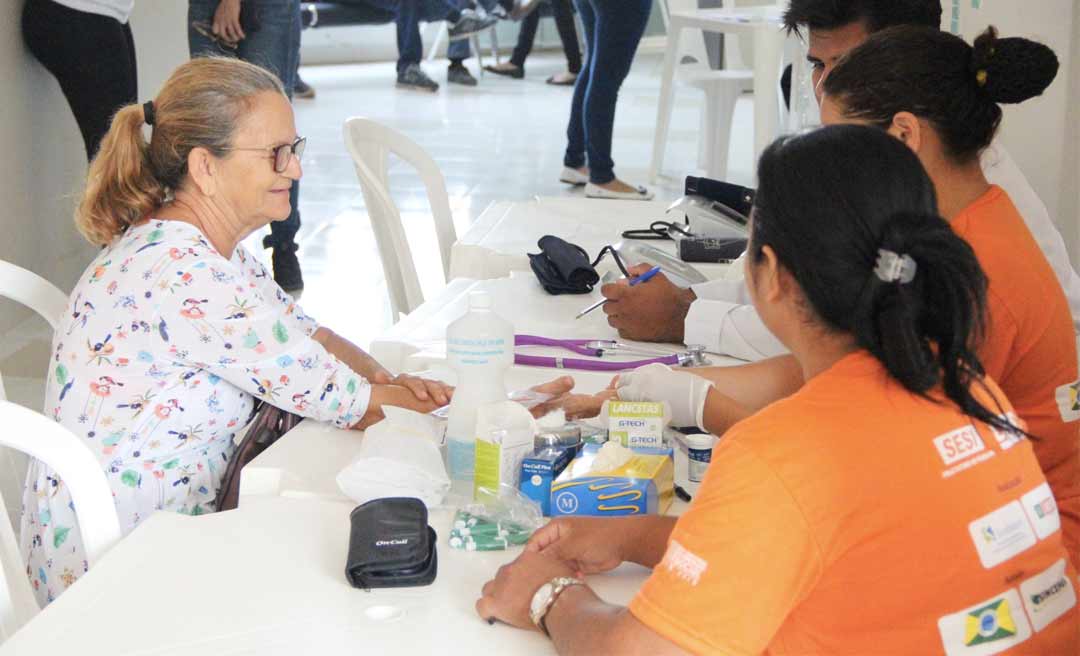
[832,204]
[939,77]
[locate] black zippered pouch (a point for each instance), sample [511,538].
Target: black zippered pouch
[391,545]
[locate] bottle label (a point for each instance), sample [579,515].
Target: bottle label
[699,462]
[462,458]
[476,351]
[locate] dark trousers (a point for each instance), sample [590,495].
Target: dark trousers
[93,59]
[613,29]
[564,22]
[275,47]
[408,14]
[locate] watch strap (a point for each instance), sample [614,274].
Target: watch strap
[558,585]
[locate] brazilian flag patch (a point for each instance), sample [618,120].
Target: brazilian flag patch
[989,623]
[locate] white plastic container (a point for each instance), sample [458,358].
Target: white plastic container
[480,348]
[693,453]
[504,437]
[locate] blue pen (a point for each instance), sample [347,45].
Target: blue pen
[633,281]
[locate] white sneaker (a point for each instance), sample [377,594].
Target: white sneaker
[573,176]
[596,191]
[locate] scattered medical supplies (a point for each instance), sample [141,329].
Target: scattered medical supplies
[613,480]
[693,453]
[540,470]
[637,423]
[398,457]
[503,518]
[391,545]
[504,436]
[479,346]
[693,356]
[475,533]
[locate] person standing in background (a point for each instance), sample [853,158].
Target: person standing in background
[613,29]
[87,45]
[266,33]
[563,12]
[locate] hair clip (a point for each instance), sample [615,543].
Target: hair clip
[980,77]
[892,267]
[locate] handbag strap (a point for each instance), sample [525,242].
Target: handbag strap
[269,425]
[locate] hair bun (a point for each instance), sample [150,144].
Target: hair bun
[1011,70]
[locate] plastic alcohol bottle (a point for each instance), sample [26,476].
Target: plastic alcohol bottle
[480,348]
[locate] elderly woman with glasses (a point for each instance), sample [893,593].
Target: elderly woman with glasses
[175,330]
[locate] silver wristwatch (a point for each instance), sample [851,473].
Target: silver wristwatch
[545,597]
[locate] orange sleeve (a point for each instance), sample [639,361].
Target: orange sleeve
[737,561]
[999,338]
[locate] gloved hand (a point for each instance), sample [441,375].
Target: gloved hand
[683,391]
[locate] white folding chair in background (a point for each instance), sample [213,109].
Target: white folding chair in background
[722,89]
[370,145]
[78,468]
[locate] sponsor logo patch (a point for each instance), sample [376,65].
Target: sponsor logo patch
[1001,534]
[1008,439]
[986,628]
[1048,596]
[683,564]
[1041,510]
[1068,401]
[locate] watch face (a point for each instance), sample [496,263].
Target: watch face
[540,599]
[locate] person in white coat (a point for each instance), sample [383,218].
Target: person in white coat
[718,314]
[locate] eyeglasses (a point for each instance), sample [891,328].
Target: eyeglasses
[282,154]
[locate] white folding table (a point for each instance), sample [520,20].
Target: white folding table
[505,232]
[269,579]
[418,342]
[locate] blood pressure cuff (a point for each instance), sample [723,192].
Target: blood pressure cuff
[391,545]
[562,267]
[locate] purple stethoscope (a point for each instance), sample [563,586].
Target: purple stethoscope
[694,356]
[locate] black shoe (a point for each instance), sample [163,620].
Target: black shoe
[517,72]
[286,267]
[302,89]
[414,77]
[458,74]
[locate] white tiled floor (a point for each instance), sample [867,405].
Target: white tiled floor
[502,140]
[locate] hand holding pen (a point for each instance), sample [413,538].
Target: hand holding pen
[636,280]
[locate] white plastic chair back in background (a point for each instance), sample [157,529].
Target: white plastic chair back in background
[33,291]
[370,144]
[99,526]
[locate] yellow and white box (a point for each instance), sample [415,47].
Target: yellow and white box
[636,424]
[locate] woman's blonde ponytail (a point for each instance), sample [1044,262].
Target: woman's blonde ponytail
[200,106]
[120,187]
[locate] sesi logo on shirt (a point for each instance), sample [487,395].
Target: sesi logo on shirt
[963,445]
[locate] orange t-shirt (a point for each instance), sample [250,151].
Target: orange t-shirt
[857,518]
[1030,347]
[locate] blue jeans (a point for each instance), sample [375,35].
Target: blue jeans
[276,47]
[409,14]
[613,29]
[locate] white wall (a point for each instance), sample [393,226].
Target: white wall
[1041,134]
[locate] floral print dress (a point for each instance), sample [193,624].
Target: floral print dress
[156,367]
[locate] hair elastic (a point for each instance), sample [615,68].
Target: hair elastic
[148,112]
[893,267]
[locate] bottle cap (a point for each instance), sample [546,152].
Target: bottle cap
[479,301]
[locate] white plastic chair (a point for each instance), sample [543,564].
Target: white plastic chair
[33,291]
[69,457]
[721,88]
[370,144]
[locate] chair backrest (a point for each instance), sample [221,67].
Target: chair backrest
[34,292]
[370,145]
[67,455]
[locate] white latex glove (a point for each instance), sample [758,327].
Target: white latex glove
[683,391]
